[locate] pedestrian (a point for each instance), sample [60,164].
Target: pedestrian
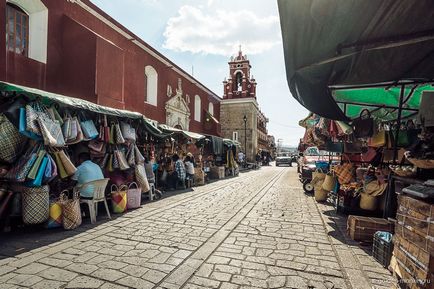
[177,176]
[189,167]
[241,158]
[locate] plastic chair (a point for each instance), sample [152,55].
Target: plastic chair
[98,188]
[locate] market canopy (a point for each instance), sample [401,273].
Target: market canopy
[352,42]
[187,134]
[49,97]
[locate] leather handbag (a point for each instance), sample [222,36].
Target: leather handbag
[22,126]
[35,204]
[11,141]
[71,212]
[364,125]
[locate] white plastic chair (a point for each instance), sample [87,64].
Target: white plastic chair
[98,188]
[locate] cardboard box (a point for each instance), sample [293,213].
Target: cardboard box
[217,172]
[363,228]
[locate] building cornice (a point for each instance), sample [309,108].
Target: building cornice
[143,45]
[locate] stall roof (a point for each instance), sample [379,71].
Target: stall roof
[348,42]
[230,142]
[188,134]
[49,97]
[383,101]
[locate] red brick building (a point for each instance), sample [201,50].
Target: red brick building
[72,47]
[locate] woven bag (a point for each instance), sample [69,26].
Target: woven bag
[123,163]
[344,173]
[55,215]
[35,204]
[140,173]
[119,198]
[128,132]
[70,169]
[71,210]
[11,141]
[134,196]
[51,132]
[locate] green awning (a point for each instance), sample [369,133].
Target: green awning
[229,142]
[187,134]
[383,101]
[77,103]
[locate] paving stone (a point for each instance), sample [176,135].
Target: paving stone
[86,269]
[108,274]
[24,280]
[51,284]
[134,282]
[57,274]
[205,282]
[135,271]
[154,276]
[84,282]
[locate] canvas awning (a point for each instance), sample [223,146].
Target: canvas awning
[230,142]
[77,103]
[348,42]
[187,134]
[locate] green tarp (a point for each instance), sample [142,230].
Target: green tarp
[361,98]
[187,134]
[49,97]
[349,42]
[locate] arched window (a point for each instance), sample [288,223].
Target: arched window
[211,108]
[27,28]
[17,30]
[197,107]
[239,81]
[151,85]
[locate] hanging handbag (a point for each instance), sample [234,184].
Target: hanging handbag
[344,173]
[34,170]
[343,128]
[21,169]
[55,114]
[110,163]
[11,106]
[55,213]
[142,180]
[118,137]
[379,139]
[67,128]
[364,125]
[115,161]
[77,131]
[71,212]
[32,116]
[88,127]
[51,131]
[106,130]
[103,161]
[53,168]
[119,198]
[120,156]
[128,132]
[131,156]
[35,204]
[22,126]
[11,141]
[37,182]
[97,146]
[70,169]
[354,147]
[140,159]
[134,196]
[60,168]
[336,147]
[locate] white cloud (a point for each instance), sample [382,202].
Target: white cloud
[196,31]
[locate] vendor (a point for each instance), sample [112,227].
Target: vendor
[87,171]
[177,176]
[189,166]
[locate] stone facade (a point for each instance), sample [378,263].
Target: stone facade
[239,100]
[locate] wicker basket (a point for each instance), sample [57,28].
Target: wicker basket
[403,173]
[423,164]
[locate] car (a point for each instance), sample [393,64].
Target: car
[284,159]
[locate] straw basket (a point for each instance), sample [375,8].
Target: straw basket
[320,195]
[368,202]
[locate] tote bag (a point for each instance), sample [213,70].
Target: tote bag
[35,205]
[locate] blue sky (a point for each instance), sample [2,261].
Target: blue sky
[203,34]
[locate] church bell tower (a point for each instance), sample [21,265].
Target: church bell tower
[240,84]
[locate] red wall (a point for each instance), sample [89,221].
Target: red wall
[88,59]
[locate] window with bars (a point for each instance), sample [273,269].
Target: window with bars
[17,30]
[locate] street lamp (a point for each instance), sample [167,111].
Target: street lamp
[245,134]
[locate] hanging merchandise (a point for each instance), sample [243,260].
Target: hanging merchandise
[21,169]
[118,137]
[329,181]
[379,138]
[32,119]
[140,174]
[107,131]
[131,156]
[353,146]
[35,167]
[344,172]
[35,204]
[140,159]
[128,132]
[54,113]
[97,149]
[11,141]
[344,128]
[336,147]
[120,156]
[364,125]
[134,196]
[104,161]
[71,212]
[51,130]
[69,132]
[112,139]
[37,182]
[55,213]
[23,128]
[115,161]
[119,198]
[88,127]
[426,111]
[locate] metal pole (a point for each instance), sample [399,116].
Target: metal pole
[398,124]
[245,135]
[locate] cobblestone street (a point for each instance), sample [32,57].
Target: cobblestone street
[258,230]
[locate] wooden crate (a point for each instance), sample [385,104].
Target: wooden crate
[363,228]
[417,214]
[407,232]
